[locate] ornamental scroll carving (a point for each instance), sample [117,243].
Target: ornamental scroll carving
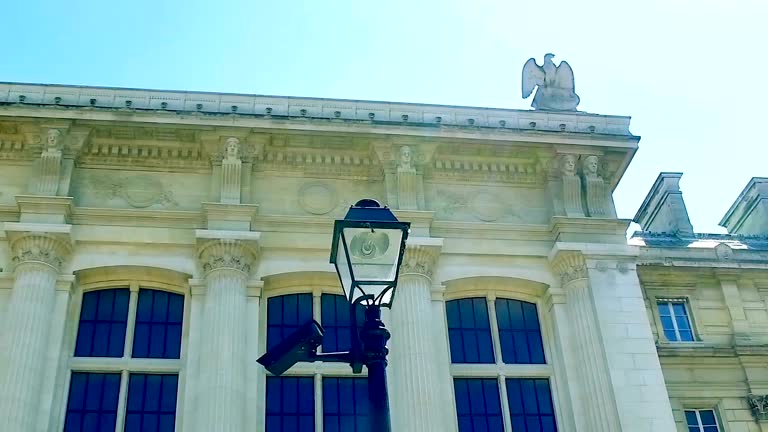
[40,248]
[226,254]
[759,405]
[570,267]
[420,260]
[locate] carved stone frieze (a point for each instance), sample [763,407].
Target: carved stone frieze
[484,205]
[139,191]
[323,157]
[570,266]
[231,254]
[420,259]
[41,248]
[759,405]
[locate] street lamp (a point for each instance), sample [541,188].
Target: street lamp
[367,250]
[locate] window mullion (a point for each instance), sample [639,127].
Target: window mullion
[318,402]
[316,310]
[121,401]
[131,323]
[495,337]
[674,321]
[504,404]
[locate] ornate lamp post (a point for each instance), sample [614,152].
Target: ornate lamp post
[367,250]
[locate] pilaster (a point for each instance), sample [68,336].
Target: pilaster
[619,374]
[414,381]
[38,253]
[226,259]
[729,285]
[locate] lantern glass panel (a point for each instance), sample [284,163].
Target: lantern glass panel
[373,254]
[343,269]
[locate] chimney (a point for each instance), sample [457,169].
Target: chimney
[749,213]
[664,209]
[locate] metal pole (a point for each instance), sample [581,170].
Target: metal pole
[374,338]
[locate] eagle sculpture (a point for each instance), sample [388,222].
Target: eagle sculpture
[556,90]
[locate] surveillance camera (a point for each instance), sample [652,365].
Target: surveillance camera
[300,345]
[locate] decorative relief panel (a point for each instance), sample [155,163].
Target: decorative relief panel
[488,204]
[759,405]
[105,188]
[318,197]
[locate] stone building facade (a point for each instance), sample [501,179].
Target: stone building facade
[154,244]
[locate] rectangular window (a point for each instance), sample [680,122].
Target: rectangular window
[674,320]
[92,403]
[345,405]
[285,314]
[519,332]
[469,331]
[159,316]
[477,405]
[530,404]
[336,320]
[701,420]
[151,403]
[290,404]
[103,319]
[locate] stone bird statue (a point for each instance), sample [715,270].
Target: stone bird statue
[556,90]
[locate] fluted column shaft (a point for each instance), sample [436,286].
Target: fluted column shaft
[221,394]
[412,358]
[25,331]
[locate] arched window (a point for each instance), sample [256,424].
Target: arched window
[516,392]
[292,399]
[111,385]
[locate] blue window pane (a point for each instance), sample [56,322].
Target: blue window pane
[336,320]
[103,318]
[151,403]
[157,333]
[707,417]
[92,404]
[285,314]
[519,332]
[686,336]
[682,322]
[290,404]
[666,323]
[345,404]
[477,405]
[469,331]
[530,404]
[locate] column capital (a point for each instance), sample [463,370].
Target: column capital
[421,256]
[48,244]
[759,405]
[232,250]
[570,266]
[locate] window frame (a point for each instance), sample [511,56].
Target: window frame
[500,370]
[686,302]
[686,404]
[134,280]
[316,370]
[715,413]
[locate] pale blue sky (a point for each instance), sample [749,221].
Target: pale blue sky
[692,74]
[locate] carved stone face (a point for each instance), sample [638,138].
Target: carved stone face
[590,165]
[53,138]
[569,164]
[405,155]
[232,148]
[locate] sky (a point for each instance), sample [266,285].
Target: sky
[693,75]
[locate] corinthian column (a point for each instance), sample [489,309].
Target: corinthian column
[412,374]
[24,334]
[221,394]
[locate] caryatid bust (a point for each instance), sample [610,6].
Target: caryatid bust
[406,157]
[53,139]
[569,164]
[232,148]
[590,166]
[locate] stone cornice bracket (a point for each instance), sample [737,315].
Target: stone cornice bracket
[49,245]
[232,250]
[421,255]
[759,405]
[570,266]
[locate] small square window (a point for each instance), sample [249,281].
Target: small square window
[701,420]
[675,322]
